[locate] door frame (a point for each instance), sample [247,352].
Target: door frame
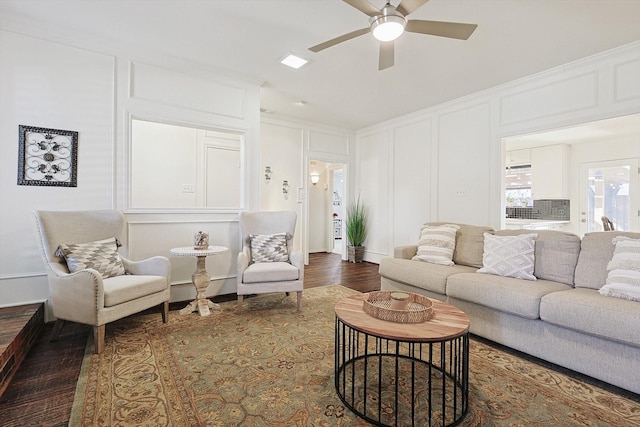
[307,181]
[634,191]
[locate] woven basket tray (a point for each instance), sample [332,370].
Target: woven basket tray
[378,305]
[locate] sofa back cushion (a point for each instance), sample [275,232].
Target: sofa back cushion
[556,254]
[595,253]
[469,244]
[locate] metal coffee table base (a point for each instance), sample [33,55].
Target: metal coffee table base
[391,382]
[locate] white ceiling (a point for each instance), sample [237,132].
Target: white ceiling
[342,85]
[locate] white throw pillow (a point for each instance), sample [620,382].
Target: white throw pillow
[437,243]
[101,255]
[269,247]
[510,256]
[623,279]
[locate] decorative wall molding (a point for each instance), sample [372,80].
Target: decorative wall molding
[151,83]
[627,81]
[324,142]
[564,96]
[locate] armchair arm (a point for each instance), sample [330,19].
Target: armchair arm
[297,260]
[154,266]
[76,296]
[405,252]
[243,263]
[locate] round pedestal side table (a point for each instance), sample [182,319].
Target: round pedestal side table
[402,374]
[200,278]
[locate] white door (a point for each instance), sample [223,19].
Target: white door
[609,189]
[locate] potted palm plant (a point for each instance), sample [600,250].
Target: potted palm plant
[356,223]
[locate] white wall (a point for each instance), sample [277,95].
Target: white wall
[96,91]
[455,169]
[288,146]
[49,85]
[163,159]
[319,209]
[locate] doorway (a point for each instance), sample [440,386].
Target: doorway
[326,211]
[609,189]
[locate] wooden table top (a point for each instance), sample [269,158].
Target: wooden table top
[448,322]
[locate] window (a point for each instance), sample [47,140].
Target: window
[518,186]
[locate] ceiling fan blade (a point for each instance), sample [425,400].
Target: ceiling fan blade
[386,55]
[342,38]
[409,6]
[452,30]
[364,6]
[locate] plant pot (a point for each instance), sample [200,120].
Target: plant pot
[356,253]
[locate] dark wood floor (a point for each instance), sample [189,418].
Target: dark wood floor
[41,393]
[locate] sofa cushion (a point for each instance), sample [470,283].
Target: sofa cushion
[506,294]
[509,256]
[432,277]
[469,244]
[556,254]
[436,244]
[595,253]
[623,279]
[585,310]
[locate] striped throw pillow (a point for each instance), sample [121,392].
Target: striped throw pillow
[437,243]
[623,278]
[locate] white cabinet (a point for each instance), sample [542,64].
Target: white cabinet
[518,157]
[550,172]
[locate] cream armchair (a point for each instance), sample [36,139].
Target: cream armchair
[267,277]
[84,296]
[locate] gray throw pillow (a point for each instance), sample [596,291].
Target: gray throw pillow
[101,255]
[269,247]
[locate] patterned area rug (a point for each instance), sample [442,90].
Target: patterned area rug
[271,366]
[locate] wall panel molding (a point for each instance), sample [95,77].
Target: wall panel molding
[180,90]
[627,81]
[565,96]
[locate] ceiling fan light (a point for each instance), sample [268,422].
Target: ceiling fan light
[387,27]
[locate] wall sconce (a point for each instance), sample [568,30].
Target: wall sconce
[285,188]
[267,174]
[315,177]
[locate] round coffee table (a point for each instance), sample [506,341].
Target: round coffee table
[409,374]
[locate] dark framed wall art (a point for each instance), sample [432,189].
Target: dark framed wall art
[47,157]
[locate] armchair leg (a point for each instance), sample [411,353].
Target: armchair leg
[165,311]
[98,338]
[239,308]
[56,330]
[299,301]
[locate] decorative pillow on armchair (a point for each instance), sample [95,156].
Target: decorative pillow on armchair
[437,243]
[509,256]
[101,255]
[269,247]
[623,279]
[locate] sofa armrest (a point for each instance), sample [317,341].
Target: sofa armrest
[405,252]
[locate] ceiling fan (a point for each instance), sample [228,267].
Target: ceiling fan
[388,23]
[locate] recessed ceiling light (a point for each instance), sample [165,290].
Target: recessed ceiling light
[293,61]
[301,103]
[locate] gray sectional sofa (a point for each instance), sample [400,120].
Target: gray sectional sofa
[560,318]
